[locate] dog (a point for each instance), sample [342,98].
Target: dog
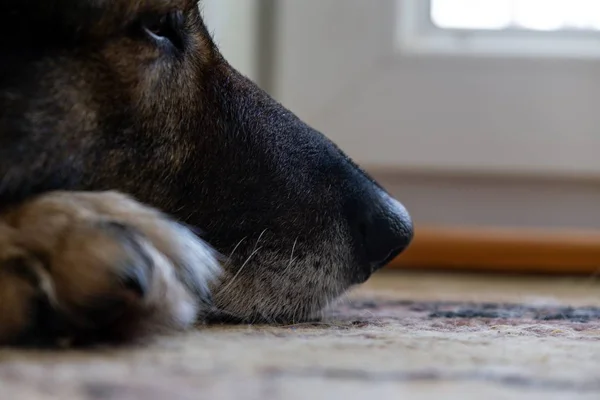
[146,186]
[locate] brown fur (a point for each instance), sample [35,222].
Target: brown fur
[101,260]
[99,98]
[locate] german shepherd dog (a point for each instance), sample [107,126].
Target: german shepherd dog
[146,186]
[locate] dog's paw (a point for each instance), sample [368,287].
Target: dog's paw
[90,267]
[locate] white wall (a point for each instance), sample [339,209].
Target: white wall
[339,68]
[461,140]
[234,24]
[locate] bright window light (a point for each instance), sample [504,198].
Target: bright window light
[529,15]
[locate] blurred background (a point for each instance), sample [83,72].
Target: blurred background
[481,116]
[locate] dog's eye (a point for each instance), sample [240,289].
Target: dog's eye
[165,28]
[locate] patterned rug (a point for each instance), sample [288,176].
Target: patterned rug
[459,312]
[377,344]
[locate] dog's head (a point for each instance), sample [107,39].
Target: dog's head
[133,95]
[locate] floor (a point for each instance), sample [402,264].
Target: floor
[401,336]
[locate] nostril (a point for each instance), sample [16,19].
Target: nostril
[387,237]
[383,229]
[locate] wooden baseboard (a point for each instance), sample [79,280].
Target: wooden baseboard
[503,250]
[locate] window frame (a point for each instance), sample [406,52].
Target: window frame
[417,34]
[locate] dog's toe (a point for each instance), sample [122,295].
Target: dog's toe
[114,270]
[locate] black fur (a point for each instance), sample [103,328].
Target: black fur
[88,101]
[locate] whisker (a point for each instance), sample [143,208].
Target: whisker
[233,251]
[254,251]
[260,237]
[292,259]
[238,271]
[293,248]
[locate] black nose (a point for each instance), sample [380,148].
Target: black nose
[382,228]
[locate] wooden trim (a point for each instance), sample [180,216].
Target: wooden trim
[517,176]
[503,250]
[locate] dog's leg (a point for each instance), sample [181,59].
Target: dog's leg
[90,266]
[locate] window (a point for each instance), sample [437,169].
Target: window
[564,28]
[535,15]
